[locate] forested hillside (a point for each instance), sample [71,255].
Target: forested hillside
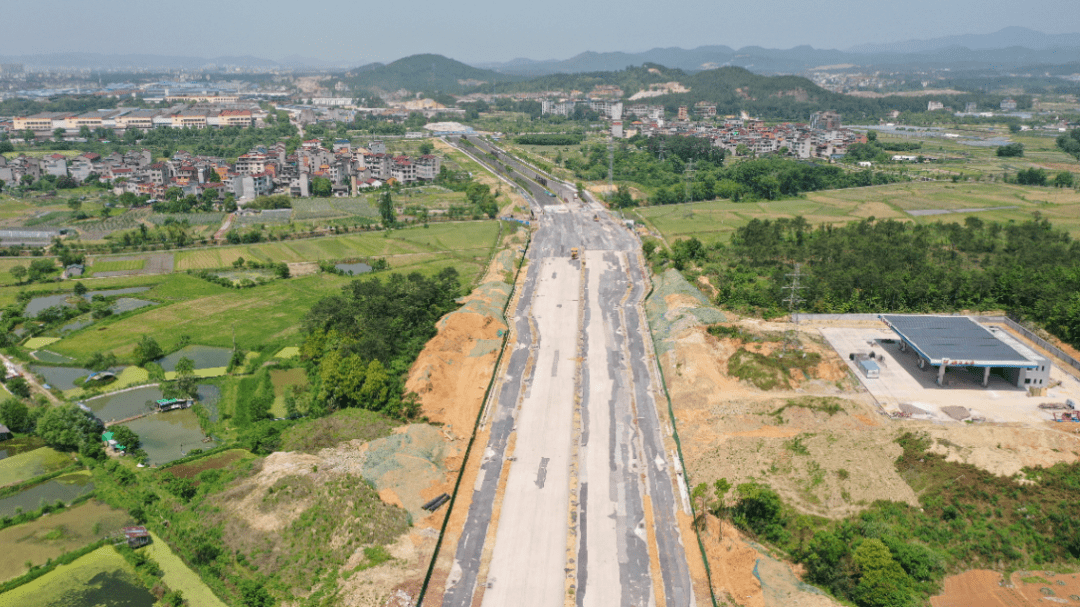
[1031,268]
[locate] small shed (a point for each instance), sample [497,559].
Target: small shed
[5,432]
[136,536]
[869,368]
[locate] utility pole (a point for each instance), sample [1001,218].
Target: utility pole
[791,340]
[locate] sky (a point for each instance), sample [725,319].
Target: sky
[482,30]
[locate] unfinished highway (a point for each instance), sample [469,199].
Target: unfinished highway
[576,501]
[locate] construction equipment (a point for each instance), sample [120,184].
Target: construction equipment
[596,218]
[574,253]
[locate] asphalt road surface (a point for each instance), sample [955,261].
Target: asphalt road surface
[572,518]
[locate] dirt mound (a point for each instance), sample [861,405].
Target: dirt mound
[1003,449]
[453,371]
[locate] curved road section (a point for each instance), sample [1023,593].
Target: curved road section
[576,500]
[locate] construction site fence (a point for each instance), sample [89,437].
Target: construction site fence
[1010,320]
[678,443]
[476,426]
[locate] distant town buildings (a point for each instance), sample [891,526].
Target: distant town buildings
[260,172]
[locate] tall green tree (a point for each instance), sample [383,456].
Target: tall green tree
[147,350]
[15,415]
[67,427]
[386,209]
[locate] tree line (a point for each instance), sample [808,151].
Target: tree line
[1030,268]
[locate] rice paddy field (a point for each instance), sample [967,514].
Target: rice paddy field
[27,465]
[50,536]
[105,265]
[102,579]
[464,240]
[718,220]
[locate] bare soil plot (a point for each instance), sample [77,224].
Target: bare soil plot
[983,588]
[822,443]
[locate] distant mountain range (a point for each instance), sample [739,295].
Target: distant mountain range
[1008,48]
[1004,50]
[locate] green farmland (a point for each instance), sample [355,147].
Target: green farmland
[718,219]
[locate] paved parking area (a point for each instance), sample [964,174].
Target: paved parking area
[902,386]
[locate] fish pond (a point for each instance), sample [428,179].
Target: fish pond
[165,436]
[205,357]
[353,269]
[169,436]
[38,304]
[60,532]
[63,488]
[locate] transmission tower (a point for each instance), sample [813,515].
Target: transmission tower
[611,162]
[793,300]
[660,156]
[688,174]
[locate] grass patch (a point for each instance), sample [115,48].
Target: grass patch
[35,343]
[178,576]
[270,312]
[824,404]
[211,462]
[1034,579]
[345,425]
[767,372]
[288,352]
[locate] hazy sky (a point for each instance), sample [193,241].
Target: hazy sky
[483,30]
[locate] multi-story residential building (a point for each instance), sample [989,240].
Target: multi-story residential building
[427,167]
[403,170]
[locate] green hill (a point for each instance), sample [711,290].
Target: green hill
[428,73]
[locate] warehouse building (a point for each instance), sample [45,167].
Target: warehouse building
[959,341]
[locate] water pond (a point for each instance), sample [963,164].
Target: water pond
[61,377]
[169,436]
[127,304]
[66,488]
[38,304]
[75,326]
[122,405]
[353,268]
[205,357]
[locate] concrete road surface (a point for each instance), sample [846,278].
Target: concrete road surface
[572,518]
